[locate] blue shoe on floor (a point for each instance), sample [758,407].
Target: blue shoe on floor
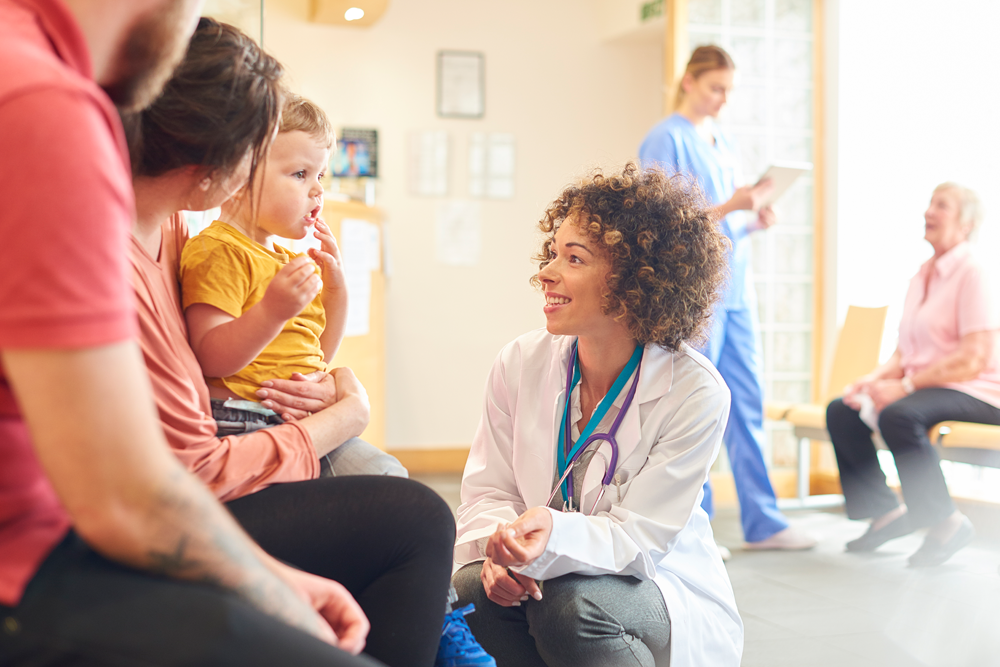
[458,648]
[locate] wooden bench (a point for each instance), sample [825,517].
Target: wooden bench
[963,442]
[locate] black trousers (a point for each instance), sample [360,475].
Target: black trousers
[388,540]
[904,426]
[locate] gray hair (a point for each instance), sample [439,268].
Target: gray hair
[971,212]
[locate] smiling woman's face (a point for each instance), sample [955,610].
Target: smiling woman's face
[574,283]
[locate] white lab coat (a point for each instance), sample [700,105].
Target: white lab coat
[654,527]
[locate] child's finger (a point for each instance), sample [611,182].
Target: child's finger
[326,237]
[296,263]
[316,254]
[308,288]
[328,243]
[302,275]
[315,285]
[295,271]
[328,261]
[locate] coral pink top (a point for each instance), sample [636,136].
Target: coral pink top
[233,466]
[955,303]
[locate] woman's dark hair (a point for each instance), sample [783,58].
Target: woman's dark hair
[668,257]
[223,100]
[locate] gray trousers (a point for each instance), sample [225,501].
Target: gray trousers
[357,457]
[579,622]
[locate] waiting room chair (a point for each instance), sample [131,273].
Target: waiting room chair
[855,354]
[978,444]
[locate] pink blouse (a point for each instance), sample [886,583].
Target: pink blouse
[956,302]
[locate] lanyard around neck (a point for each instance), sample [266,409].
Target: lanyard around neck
[565,453]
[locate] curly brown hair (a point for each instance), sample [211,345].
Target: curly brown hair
[668,257]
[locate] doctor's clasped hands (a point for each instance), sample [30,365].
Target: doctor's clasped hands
[515,545]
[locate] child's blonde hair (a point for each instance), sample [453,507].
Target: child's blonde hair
[300,114]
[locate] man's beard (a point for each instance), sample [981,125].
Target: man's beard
[153,48]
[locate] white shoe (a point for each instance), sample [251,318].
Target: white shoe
[788,539]
[724,552]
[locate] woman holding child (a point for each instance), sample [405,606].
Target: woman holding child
[386,540]
[576,552]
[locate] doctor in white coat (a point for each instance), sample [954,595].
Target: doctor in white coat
[566,570]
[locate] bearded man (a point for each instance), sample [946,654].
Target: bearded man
[110,552]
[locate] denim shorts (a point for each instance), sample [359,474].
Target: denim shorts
[354,457]
[234,417]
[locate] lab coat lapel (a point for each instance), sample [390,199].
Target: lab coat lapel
[655,378]
[539,470]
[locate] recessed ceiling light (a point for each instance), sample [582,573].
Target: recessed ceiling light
[354,13]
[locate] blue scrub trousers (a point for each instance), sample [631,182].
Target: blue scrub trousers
[734,348]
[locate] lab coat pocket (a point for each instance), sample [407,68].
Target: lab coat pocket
[621,483]
[616,488]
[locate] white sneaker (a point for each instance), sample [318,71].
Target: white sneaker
[788,539]
[724,552]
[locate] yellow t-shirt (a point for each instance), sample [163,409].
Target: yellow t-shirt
[224,268]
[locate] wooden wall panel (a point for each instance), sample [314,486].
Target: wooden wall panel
[365,355]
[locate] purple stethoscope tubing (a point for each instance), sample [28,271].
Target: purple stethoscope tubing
[608,437]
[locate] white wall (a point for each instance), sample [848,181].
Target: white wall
[571,101]
[623,19]
[917,105]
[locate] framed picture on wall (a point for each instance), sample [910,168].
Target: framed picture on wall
[356,154]
[461,86]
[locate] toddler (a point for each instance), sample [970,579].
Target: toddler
[254,310]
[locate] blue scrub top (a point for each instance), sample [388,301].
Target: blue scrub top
[676,145]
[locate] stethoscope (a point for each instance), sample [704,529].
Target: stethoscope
[568,454]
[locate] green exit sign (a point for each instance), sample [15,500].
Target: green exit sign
[651,10]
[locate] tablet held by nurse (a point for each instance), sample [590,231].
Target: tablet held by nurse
[691,143]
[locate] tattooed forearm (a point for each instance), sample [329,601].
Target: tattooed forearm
[199,541]
[173,563]
[178,564]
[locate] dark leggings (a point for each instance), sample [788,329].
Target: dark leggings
[904,426]
[388,540]
[83,610]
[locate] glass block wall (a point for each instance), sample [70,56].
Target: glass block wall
[770,113]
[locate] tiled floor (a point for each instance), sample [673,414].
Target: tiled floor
[825,608]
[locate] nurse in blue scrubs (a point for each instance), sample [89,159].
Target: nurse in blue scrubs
[690,142]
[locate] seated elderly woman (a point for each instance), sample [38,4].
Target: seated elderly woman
[597,434]
[945,368]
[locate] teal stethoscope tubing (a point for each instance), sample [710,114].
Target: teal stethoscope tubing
[567,453]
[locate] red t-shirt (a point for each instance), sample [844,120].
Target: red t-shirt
[66,206]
